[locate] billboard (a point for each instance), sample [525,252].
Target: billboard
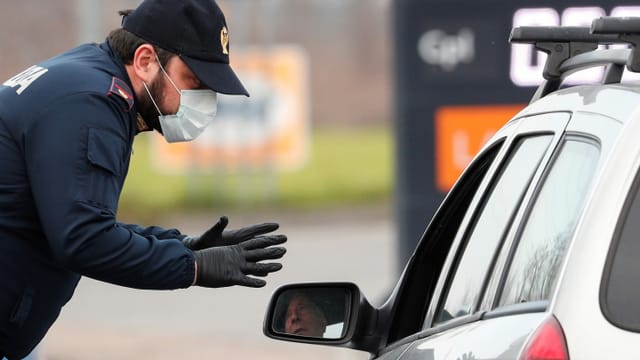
[270,128]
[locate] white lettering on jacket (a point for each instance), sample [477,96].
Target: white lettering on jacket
[25,78]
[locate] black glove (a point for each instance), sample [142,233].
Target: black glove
[229,265]
[217,236]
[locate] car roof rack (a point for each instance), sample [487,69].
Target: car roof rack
[571,48]
[627,29]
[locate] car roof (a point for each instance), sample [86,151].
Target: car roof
[617,101]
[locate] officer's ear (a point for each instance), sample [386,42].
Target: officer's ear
[145,66]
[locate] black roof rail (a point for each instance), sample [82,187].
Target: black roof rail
[570,48]
[560,43]
[626,29]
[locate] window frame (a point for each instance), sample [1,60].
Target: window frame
[413,297]
[553,123]
[586,126]
[514,244]
[470,238]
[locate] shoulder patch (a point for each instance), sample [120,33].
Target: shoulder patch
[120,88]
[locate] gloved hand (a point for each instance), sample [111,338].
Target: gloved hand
[217,236]
[222,266]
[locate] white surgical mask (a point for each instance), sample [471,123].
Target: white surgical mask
[197,110]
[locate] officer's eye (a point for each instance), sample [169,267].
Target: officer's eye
[197,84]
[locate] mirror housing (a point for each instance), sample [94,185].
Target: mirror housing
[326,313]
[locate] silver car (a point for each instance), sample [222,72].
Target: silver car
[535,252]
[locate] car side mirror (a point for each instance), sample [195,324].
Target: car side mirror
[318,313]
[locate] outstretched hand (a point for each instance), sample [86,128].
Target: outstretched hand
[218,236]
[221,266]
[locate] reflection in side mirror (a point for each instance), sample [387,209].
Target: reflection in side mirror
[313,312]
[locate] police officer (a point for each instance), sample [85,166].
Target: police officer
[66,131]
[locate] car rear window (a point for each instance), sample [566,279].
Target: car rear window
[621,303]
[466,287]
[551,223]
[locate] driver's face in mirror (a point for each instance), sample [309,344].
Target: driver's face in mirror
[304,317]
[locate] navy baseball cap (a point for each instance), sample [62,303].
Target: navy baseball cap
[195,30]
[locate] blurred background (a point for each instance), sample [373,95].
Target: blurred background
[311,148]
[319,75]
[362,115]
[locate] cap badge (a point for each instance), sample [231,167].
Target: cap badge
[224,40]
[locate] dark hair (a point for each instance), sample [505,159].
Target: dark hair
[125,44]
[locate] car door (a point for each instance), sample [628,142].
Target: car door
[456,308]
[408,305]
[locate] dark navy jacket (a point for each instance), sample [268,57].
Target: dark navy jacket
[66,132]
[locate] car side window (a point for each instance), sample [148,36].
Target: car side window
[620,292]
[551,222]
[426,265]
[465,289]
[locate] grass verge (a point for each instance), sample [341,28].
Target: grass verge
[351,166]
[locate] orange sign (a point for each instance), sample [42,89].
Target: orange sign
[268,129]
[460,132]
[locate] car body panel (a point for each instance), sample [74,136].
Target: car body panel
[581,283]
[395,353]
[496,338]
[589,98]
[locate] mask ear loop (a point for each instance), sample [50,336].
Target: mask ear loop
[151,97]
[168,78]
[165,74]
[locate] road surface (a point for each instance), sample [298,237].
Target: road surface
[104,321]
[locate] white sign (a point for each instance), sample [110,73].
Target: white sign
[436,47]
[524,71]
